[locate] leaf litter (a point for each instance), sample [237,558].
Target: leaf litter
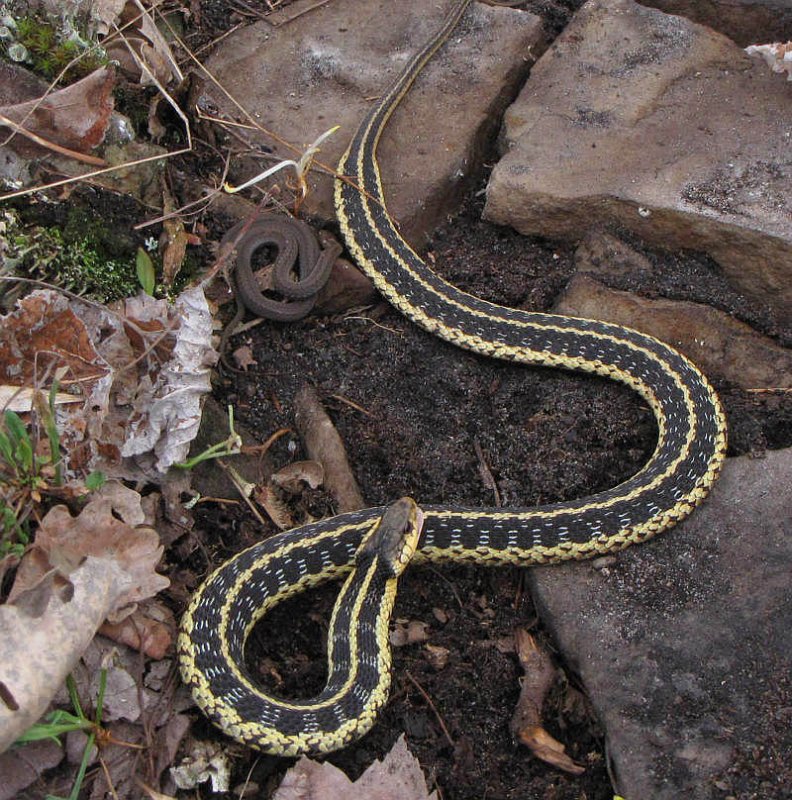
[80,571]
[141,373]
[397,777]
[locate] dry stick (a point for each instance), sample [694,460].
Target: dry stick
[323,444]
[431,705]
[527,724]
[350,403]
[485,472]
[290,17]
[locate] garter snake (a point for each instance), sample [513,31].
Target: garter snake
[297,250]
[686,461]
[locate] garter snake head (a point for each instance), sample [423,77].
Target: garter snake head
[393,538]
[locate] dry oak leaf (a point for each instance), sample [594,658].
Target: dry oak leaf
[44,330]
[80,571]
[76,117]
[397,777]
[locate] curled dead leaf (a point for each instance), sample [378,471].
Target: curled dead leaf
[406,632]
[140,631]
[437,656]
[292,476]
[526,722]
[80,570]
[141,49]
[290,480]
[267,497]
[174,239]
[777,56]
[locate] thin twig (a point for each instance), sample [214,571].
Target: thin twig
[485,472]
[203,202]
[351,404]
[431,705]
[89,175]
[360,317]
[297,14]
[260,449]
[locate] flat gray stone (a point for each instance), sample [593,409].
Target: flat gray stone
[685,644]
[721,346]
[325,68]
[645,120]
[745,21]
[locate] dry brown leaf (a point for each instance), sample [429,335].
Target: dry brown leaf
[777,56]
[141,632]
[291,480]
[141,50]
[42,331]
[243,356]
[79,571]
[294,475]
[173,241]
[397,777]
[267,497]
[526,723]
[75,117]
[43,334]
[22,766]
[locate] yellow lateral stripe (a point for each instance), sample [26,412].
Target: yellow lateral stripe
[699,454]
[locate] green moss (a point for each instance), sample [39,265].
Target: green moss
[88,272]
[115,241]
[76,258]
[49,52]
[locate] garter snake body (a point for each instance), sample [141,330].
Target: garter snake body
[297,250]
[687,459]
